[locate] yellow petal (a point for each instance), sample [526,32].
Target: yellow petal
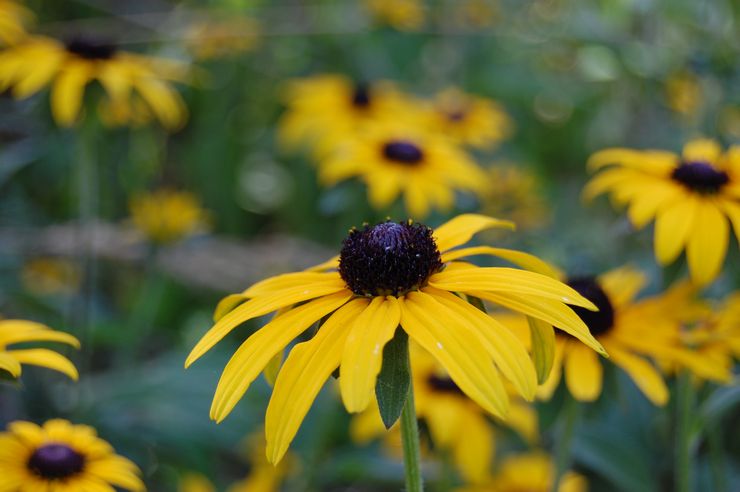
[363,351]
[303,374]
[18,331]
[68,91]
[459,350]
[463,227]
[288,280]
[707,243]
[252,356]
[583,372]
[330,264]
[644,206]
[473,450]
[417,202]
[519,258]
[645,376]
[46,358]
[509,280]
[8,363]
[622,284]
[702,150]
[672,227]
[164,101]
[653,161]
[38,74]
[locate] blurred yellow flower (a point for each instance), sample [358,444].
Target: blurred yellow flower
[263,476]
[515,193]
[467,119]
[133,113]
[210,39]
[195,482]
[404,15]
[166,215]
[390,275]
[13,18]
[477,14]
[62,457]
[51,276]
[68,67]
[683,93]
[691,198]
[13,331]
[531,472]
[397,160]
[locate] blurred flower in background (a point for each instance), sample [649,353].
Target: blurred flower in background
[14,17]
[404,15]
[167,215]
[516,193]
[222,36]
[683,93]
[61,456]
[14,331]
[51,276]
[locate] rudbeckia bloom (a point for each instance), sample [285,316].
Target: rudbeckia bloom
[68,67]
[13,18]
[514,192]
[61,457]
[395,159]
[14,331]
[691,198]
[469,120]
[51,276]
[165,215]
[404,15]
[388,275]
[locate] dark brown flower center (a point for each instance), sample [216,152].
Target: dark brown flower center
[403,151]
[700,177]
[443,384]
[361,95]
[56,461]
[391,258]
[90,48]
[598,322]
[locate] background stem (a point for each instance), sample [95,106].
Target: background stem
[570,413]
[410,440]
[684,406]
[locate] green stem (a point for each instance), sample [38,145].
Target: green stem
[717,458]
[410,440]
[571,410]
[684,407]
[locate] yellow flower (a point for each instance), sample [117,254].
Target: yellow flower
[388,275]
[533,472]
[515,193]
[219,38]
[165,215]
[396,159]
[14,331]
[51,276]
[13,18]
[633,333]
[195,482]
[263,475]
[62,457]
[469,120]
[683,93]
[477,14]
[690,197]
[404,15]
[324,109]
[68,67]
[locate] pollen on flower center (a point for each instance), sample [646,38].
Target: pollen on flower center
[361,95]
[598,322]
[56,461]
[700,177]
[443,385]
[91,49]
[391,258]
[403,151]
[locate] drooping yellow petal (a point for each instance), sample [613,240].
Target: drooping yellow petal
[363,351]
[645,376]
[654,161]
[463,227]
[68,91]
[257,307]
[416,200]
[645,206]
[18,331]
[702,150]
[252,356]
[546,390]
[583,372]
[473,448]
[288,280]
[672,228]
[163,100]
[118,471]
[46,358]
[524,260]
[509,280]
[460,351]
[303,374]
[622,284]
[707,242]
[37,73]
[10,364]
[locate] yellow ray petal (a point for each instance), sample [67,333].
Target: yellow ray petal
[68,91]
[288,280]
[473,451]
[606,181]
[382,189]
[644,206]
[330,264]
[524,260]
[553,312]
[459,350]
[672,227]
[363,351]
[509,280]
[545,391]
[654,161]
[645,376]
[18,331]
[259,306]
[118,471]
[702,150]
[583,372]
[707,243]
[504,347]
[463,227]
[164,101]
[8,363]
[303,374]
[416,200]
[622,284]
[37,73]
[252,356]
[46,358]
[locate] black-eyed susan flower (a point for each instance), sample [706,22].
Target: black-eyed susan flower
[213,38]
[515,192]
[388,275]
[467,119]
[532,472]
[392,160]
[47,276]
[691,197]
[166,215]
[13,331]
[404,15]
[61,457]
[13,19]
[195,482]
[68,67]
[263,476]
[683,93]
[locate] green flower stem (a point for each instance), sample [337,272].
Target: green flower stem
[570,412]
[410,440]
[683,472]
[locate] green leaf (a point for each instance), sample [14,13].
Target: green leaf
[392,386]
[543,347]
[477,302]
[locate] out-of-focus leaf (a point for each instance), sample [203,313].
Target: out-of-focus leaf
[722,401]
[543,347]
[392,386]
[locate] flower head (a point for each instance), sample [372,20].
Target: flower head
[51,276]
[360,315]
[61,456]
[222,37]
[165,215]
[13,331]
[69,66]
[691,198]
[514,192]
[404,15]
